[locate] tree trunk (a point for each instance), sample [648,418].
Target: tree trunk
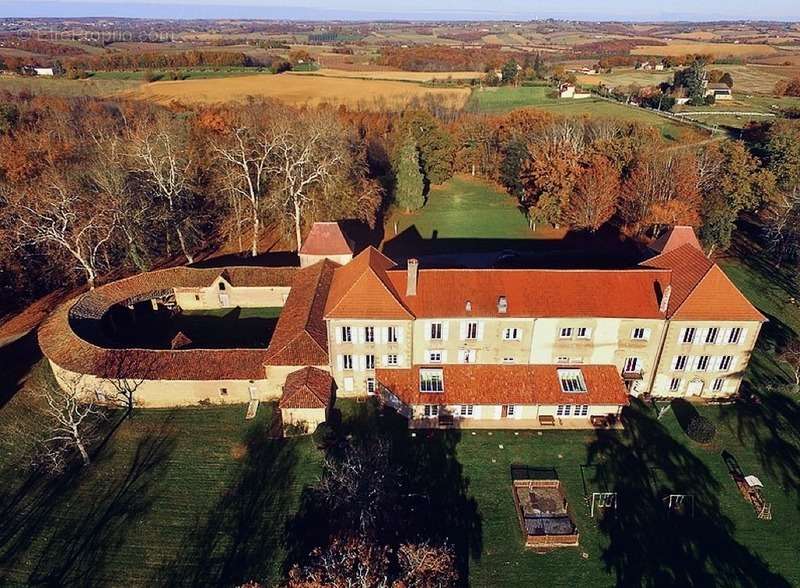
[182,241]
[81,448]
[297,234]
[256,221]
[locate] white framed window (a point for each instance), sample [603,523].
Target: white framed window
[467,410]
[640,334]
[391,359]
[679,362]
[581,410]
[736,336]
[632,365]
[436,331]
[510,410]
[564,410]
[347,335]
[347,361]
[688,335]
[369,334]
[509,359]
[371,387]
[725,362]
[472,330]
[391,335]
[369,361]
[718,385]
[431,410]
[571,380]
[583,333]
[512,334]
[467,356]
[431,380]
[702,362]
[434,356]
[674,384]
[562,360]
[348,384]
[565,333]
[711,335]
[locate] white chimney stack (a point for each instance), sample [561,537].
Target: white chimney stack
[665,299]
[411,282]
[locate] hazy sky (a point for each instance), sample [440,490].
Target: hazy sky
[417,9]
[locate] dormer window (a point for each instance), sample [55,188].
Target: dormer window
[431,380]
[222,286]
[468,306]
[571,380]
[502,305]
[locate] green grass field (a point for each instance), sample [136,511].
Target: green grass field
[504,99]
[186,73]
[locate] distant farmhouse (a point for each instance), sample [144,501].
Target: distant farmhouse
[493,348]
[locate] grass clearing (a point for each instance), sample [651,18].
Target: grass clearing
[187,73]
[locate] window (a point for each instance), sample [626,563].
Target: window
[564,410]
[436,331]
[472,330]
[510,410]
[431,381]
[674,384]
[434,357]
[347,335]
[197,297]
[512,334]
[223,391]
[391,359]
[712,334]
[640,334]
[467,410]
[688,335]
[347,362]
[725,362]
[632,365]
[679,363]
[571,381]
[369,361]
[565,333]
[370,385]
[467,355]
[718,385]
[508,359]
[582,410]
[391,335]
[735,335]
[222,286]
[431,410]
[702,363]
[369,334]
[562,360]
[583,333]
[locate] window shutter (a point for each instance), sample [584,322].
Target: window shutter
[498,412]
[444,356]
[517,411]
[383,334]
[428,325]
[401,359]
[588,332]
[338,333]
[647,334]
[339,363]
[699,336]
[463,330]
[401,334]
[681,335]
[385,360]
[714,363]
[743,336]
[691,363]
[461,353]
[732,367]
[472,355]
[445,329]
[480,330]
[675,361]
[724,335]
[476,411]
[362,360]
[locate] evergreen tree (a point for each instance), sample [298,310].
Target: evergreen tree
[408,180]
[434,144]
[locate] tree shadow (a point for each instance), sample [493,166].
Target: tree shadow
[241,538]
[434,505]
[84,518]
[684,411]
[650,544]
[16,361]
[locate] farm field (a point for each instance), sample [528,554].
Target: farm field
[188,73]
[678,48]
[402,76]
[296,89]
[505,99]
[65,87]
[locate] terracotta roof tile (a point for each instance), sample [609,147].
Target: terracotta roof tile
[309,387]
[361,289]
[534,293]
[506,384]
[326,238]
[674,238]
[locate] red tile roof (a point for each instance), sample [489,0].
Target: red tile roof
[361,289]
[506,384]
[326,238]
[534,293]
[301,336]
[700,289]
[674,238]
[309,387]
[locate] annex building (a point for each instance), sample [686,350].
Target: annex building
[516,348]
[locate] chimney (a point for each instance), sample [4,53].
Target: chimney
[411,282]
[502,305]
[665,299]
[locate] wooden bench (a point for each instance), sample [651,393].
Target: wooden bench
[547,420]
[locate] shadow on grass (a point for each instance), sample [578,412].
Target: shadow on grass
[240,539]
[435,504]
[684,411]
[647,543]
[16,361]
[85,514]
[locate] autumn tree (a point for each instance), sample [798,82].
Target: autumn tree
[594,200]
[408,180]
[782,153]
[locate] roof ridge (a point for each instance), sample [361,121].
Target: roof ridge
[714,265]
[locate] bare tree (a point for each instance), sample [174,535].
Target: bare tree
[160,155]
[791,355]
[61,213]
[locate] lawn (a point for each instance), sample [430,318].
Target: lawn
[196,496]
[495,100]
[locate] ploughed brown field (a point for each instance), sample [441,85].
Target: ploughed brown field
[297,90]
[716,49]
